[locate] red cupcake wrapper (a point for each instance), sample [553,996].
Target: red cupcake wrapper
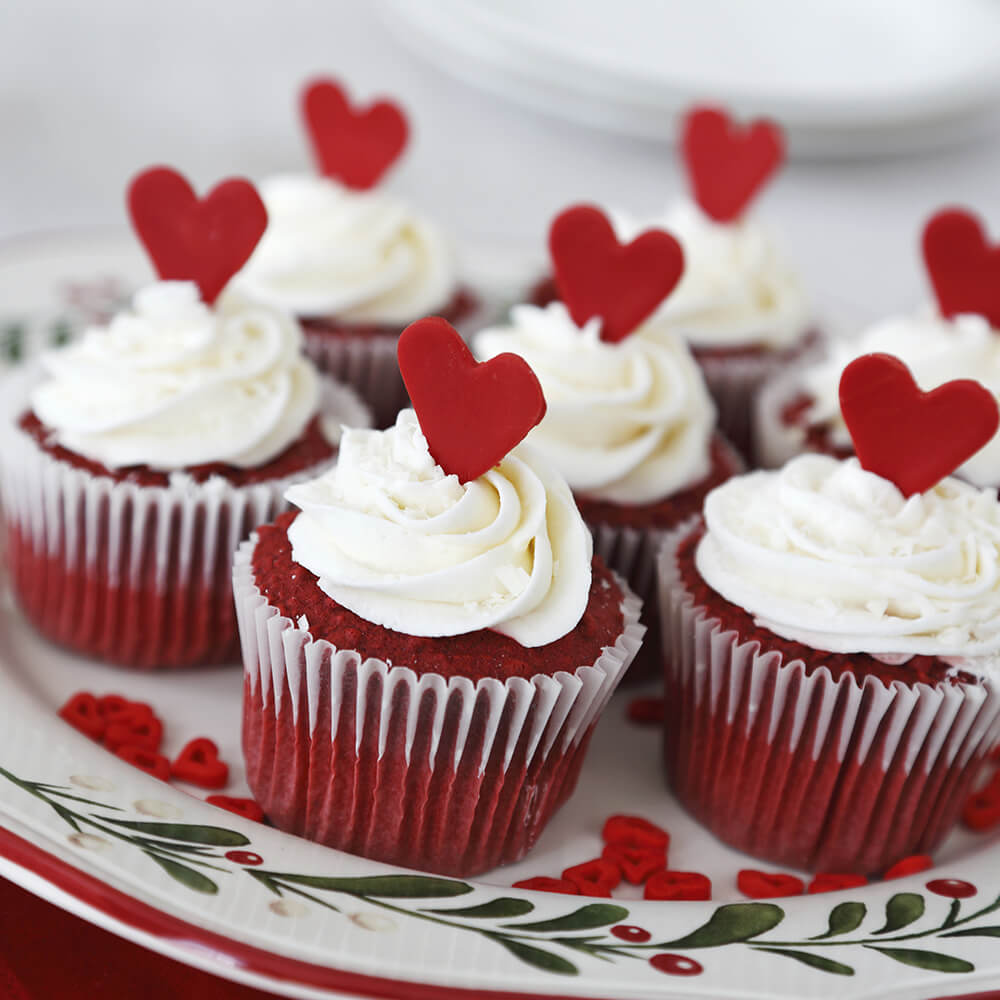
[441,774]
[136,575]
[846,775]
[367,364]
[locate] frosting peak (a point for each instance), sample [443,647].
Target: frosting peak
[402,545]
[736,289]
[629,422]
[174,383]
[331,251]
[824,553]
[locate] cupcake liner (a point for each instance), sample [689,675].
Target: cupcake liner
[845,775]
[366,363]
[443,774]
[734,380]
[136,575]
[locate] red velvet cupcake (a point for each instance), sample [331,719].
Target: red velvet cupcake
[629,423]
[427,652]
[134,460]
[832,644]
[353,263]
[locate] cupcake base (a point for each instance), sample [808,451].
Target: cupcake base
[445,774]
[123,567]
[806,766]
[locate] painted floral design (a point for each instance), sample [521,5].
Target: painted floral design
[200,856]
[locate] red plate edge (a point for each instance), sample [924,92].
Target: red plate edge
[143,917]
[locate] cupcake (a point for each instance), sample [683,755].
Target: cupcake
[135,459]
[832,641]
[739,304]
[354,264]
[629,422]
[957,337]
[429,640]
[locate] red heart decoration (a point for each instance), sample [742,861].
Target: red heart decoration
[634,831]
[246,808]
[198,763]
[964,269]
[355,146]
[472,414]
[834,882]
[678,885]
[597,276]
[203,240]
[636,863]
[594,878]
[910,437]
[728,164]
[83,712]
[768,885]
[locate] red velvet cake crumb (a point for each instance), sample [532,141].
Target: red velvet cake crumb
[916,670]
[294,591]
[310,449]
[818,437]
[461,305]
[672,510]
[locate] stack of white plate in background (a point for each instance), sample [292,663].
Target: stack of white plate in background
[846,78]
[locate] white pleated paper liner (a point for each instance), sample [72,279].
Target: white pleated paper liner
[734,380]
[136,575]
[367,364]
[444,774]
[846,775]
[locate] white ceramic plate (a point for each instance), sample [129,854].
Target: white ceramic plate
[858,77]
[159,866]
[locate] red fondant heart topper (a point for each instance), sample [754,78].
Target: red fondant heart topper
[353,145]
[598,276]
[910,437]
[727,164]
[203,240]
[964,269]
[471,413]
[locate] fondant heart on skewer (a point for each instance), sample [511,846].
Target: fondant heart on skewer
[963,268]
[598,276]
[910,437]
[472,413]
[204,240]
[727,163]
[352,145]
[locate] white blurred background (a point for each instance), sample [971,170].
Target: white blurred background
[90,93]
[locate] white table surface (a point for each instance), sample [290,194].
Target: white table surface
[90,93]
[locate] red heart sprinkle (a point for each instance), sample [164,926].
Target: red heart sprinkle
[647,711]
[198,763]
[112,705]
[768,885]
[471,413]
[964,269]
[636,863]
[146,760]
[145,732]
[831,882]
[597,276]
[909,866]
[910,437]
[678,885]
[727,164]
[356,146]
[542,883]
[634,831]
[82,712]
[594,878]
[203,240]
[246,808]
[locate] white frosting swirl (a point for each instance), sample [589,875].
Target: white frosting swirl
[736,290]
[401,544]
[174,383]
[824,553]
[936,350]
[359,256]
[630,422]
